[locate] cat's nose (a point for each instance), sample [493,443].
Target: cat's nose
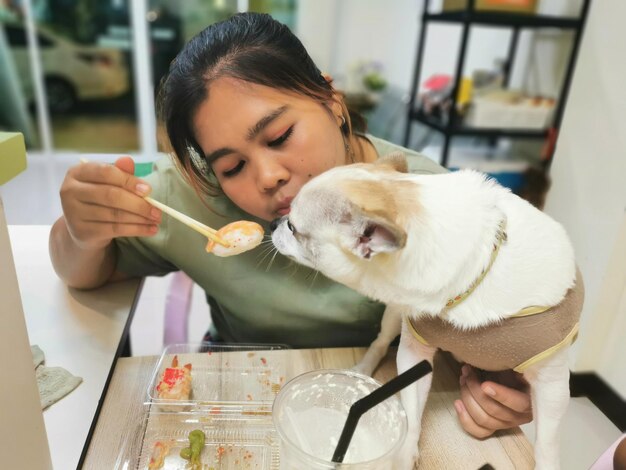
[274,224]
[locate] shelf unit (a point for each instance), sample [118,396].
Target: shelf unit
[467,18]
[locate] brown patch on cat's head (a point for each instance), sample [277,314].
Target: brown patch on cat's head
[383,201]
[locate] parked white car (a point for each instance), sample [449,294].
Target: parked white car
[72,72]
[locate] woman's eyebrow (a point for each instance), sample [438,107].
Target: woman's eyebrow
[252,133]
[265,121]
[217,154]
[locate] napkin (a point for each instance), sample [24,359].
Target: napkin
[53,382]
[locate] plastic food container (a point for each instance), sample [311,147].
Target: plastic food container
[232,442]
[233,389]
[230,378]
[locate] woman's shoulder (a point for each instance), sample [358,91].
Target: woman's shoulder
[418,163]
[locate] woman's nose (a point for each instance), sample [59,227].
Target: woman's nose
[271,173]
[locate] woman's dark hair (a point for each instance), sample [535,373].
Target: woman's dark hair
[251,47]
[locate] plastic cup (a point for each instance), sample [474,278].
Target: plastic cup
[309,414]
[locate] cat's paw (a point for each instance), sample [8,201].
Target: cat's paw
[364,368]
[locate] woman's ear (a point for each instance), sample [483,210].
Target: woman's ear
[328,77]
[337,109]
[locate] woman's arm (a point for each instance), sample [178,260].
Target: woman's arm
[77,267]
[100,202]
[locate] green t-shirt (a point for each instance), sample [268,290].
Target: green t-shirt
[252,299]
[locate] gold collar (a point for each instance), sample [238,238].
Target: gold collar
[501,237]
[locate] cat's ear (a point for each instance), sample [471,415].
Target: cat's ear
[373,218]
[374,235]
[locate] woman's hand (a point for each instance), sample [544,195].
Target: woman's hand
[101,202]
[497,400]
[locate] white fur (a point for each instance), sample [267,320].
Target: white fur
[451,224]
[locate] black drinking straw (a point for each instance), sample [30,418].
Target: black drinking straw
[368,402]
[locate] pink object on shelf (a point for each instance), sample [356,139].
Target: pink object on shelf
[437,82]
[177,307]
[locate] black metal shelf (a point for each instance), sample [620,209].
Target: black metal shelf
[518,20]
[458,129]
[466,19]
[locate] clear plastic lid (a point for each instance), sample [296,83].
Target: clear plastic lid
[230,443]
[236,379]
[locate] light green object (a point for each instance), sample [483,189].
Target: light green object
[143,169]
[374,81]
[12,155]
[193,452]
[252,301]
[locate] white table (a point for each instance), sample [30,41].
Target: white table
[80,331]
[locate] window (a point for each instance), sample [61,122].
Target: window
[16,36]
[87,70]
[15,86]
[87,74]
[86,50]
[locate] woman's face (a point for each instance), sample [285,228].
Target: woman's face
[264,144]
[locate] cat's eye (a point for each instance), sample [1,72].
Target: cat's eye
[291,227]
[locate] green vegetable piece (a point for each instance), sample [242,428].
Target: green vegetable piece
[192,453]
[196,443]
[185,453]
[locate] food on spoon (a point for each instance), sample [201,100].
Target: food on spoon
[192,453]
[175,382]
[241,235]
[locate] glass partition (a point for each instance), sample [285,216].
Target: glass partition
[17,112]
[86,58]
[85,52]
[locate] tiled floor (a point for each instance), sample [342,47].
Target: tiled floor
[32,198]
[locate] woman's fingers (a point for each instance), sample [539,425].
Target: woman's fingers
[107,231]
[467,422]
[102,201]
[92,232]
[116,198]
[482,424]
[489,406]
[516,400]
[126,164]
[103,173]
[97,213]
[485,395]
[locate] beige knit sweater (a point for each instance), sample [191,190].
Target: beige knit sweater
[513,343]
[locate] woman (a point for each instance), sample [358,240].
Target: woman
[250,119]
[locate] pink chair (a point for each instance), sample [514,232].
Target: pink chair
[177,307]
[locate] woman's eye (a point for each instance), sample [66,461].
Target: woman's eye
[233,171]
[291,227]
[282,139]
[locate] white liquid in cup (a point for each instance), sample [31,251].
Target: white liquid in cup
[310,412]
[322,427]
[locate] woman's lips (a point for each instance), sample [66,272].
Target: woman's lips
[284,206]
